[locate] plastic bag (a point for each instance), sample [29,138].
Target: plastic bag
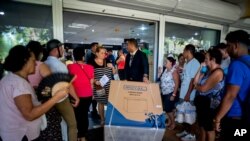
[185,112]
[190,113]
[180,109]
[100,91]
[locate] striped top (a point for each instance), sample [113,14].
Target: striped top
[99,72]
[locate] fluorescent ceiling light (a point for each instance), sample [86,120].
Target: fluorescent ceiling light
[68,32]
[2,13]
[78,25]
[143,28]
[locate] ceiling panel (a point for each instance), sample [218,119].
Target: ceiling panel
[106,30]
[26,15]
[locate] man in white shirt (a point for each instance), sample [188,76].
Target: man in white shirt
[55,49]
[187,93]
[190,69]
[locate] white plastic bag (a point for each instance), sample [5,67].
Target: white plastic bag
[180,109]
[116,77]
[190,113]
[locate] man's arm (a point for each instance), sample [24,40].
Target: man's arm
[190,89]
[231,94]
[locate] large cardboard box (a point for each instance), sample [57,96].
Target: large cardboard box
[134,107]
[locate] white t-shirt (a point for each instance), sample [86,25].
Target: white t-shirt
[189,71]
[56,65]
[13,126]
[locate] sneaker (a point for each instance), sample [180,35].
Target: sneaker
[188,137]
[182,134]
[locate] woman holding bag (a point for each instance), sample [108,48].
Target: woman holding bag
[209,83]
[83,85]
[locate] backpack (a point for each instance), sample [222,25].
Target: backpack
[245,104]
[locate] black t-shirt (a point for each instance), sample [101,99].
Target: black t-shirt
[91,58]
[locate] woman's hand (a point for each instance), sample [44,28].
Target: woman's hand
[97,83]
[62,93]
[172,98]
[203,64]
[110,65]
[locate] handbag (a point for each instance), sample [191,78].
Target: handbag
[100,91]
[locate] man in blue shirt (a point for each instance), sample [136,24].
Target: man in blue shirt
[237,87]
[111,58]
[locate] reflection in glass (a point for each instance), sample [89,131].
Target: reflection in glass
[22,22]
[178,35]
[81,28]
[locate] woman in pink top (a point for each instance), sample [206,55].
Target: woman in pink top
[53,117]
[121,64]
[19,107]
[42,70]
[83,85]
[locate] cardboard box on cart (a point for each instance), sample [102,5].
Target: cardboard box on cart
[134,112]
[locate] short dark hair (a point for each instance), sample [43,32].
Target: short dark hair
[238,36]
[93,44]
[216,54]
[190,48]
[17,58]
[78,53]
[221,46]
[179,56]
[199,56]
[133,41]
[172,60]
[35,47]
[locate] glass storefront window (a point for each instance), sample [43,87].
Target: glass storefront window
[22,22]
[178,35]
[81,28]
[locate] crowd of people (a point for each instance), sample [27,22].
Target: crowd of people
[216,81]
